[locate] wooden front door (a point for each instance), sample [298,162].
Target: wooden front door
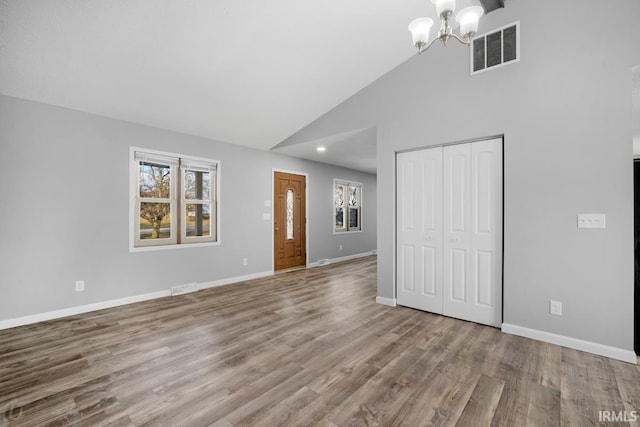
[289,222]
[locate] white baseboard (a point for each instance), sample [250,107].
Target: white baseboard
[222,282]
[315,264]
[340,259]
[386,301]
[574,343]
[71,311]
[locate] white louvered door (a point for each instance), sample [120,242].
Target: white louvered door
[451,265]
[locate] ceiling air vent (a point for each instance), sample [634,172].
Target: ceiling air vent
[495,49]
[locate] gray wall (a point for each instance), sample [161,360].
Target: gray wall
[64,214]
[565,112]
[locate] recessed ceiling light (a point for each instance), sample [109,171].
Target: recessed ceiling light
[321,149]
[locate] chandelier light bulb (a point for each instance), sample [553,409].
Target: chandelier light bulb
[468,19]
[420,29]
[444,6]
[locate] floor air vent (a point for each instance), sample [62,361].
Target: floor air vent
[184,289]
[495,49]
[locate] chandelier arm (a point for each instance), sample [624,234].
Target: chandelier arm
[464,41]
[423,49]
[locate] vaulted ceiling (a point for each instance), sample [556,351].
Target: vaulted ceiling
[246,72]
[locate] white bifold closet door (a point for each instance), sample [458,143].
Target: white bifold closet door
[449,230]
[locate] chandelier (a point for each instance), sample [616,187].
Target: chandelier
[468,19]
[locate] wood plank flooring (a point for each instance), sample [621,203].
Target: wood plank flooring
[302,348]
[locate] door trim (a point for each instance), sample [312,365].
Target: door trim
[306,214]
[446,144]
[395,206]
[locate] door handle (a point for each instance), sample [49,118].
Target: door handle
[277,229]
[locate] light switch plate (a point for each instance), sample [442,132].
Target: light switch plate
[591,221]
[555,307]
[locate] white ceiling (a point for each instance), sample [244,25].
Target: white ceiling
[247,72]
[356,149]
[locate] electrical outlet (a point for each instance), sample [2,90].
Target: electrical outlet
[245,261]
[340,247]
[555,307]
[79,285]
[592,221]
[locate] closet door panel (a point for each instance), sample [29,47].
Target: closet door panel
[419,229]
[449,231]
[457,226]
[486,232]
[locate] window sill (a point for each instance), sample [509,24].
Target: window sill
[174,246]
[337,233]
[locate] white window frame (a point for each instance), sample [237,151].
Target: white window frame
[179,164]
[194,164]
[346,230]
[172,162]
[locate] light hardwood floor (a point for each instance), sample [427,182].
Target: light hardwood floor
[308,347]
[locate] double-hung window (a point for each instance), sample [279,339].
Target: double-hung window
[348,206]
[174,199]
